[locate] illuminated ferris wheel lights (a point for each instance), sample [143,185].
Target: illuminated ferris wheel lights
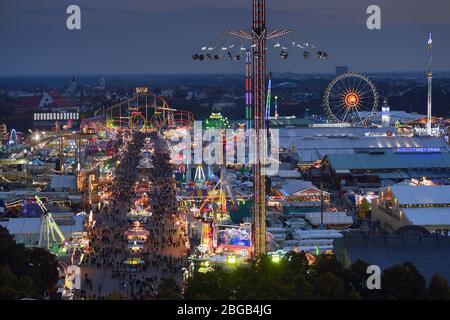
[351,98]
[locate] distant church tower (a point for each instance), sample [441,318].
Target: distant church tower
[72,86]
[430,81]
[385,114]
[102,83]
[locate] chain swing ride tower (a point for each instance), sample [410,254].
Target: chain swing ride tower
[430,85]
[259,35]
[256,94]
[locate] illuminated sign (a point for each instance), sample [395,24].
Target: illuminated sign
[142,90]
[51,116]
[419,150]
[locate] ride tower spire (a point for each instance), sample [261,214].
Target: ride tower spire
[259,37]
[259,33]
[430,84]
[248,89]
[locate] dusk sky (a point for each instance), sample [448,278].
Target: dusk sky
[155,36]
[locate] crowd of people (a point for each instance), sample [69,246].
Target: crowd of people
[166,249]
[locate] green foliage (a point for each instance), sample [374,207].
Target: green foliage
[329,287]
[364,209]
[438,288]
[24,273]
[42,268]
[169,290]
[13,287]
[403,282]
[294,278]
[291,278]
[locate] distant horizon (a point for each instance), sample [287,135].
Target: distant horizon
[155,37]
[207,74]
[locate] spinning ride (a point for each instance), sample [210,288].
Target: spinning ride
[351,98]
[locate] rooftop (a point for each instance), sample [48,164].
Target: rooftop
[367,161]
[417,195]
[293,186]
[315,143]
[434,216]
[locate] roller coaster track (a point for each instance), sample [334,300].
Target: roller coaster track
[154,110]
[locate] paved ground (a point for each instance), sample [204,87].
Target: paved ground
[165,253]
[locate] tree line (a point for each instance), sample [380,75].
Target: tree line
[24,273]
[293,278]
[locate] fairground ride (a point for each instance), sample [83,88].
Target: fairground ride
[351,98]
[50,236]
[145,110]
[233,44]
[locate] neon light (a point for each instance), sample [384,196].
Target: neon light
[419,150]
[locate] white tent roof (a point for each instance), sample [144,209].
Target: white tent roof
[63,182]
[289,173]
[293,186]
[416,195]
[22,225]
[333,218]
[36,162]
[439,216]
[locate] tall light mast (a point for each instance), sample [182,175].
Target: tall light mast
[259,33]
[269,102]
[276,107]
[248,89]
[430,81]
[256,100]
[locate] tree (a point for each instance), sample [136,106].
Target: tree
[13,287]
[364,209]
[403,282]
[42,268]
[209,286]
[293,278]
[303,288]
[26,273]
[329,287]
[438,288]
[11,254]
[169,290]
[327,263]
[116,296]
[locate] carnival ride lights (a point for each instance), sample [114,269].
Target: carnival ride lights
[276,108]
[205,267]
[137,232]
[199,174]
[146,110]
[137,121]
[234,239]
[257,40]
[50,236]
[351,98]
[231,260]
[217,121]
[213,210]
[276,258]
[234,45]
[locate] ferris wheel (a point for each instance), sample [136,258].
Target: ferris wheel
[137,121]
[351,98]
